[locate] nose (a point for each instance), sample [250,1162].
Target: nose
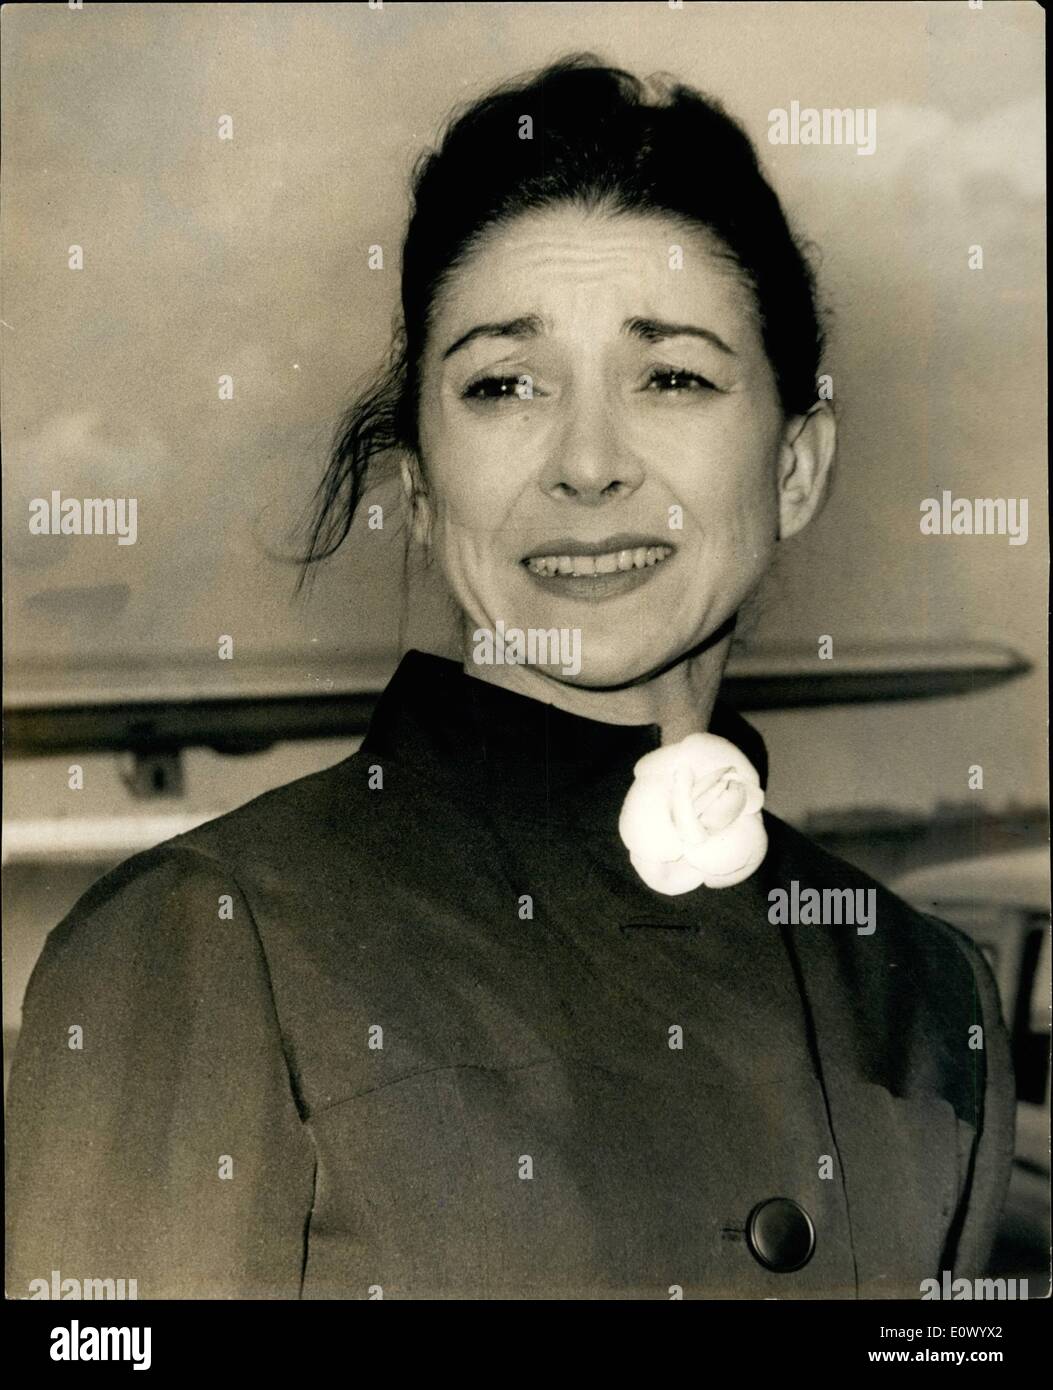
[590,462]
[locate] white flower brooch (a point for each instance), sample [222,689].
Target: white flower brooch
[693,816]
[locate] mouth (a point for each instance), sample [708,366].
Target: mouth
[597,569]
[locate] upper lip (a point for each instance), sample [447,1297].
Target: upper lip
[566,545]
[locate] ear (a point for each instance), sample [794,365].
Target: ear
[417,499]
[806,459]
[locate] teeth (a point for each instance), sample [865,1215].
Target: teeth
[644,557]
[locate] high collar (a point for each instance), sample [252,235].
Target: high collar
[474,740]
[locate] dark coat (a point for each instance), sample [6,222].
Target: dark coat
[820,1066]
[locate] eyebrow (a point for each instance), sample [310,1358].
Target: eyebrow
[528,326]
[655,330]
[531,325]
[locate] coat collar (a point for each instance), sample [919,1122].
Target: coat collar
[482,741]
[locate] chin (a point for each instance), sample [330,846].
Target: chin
[612,666]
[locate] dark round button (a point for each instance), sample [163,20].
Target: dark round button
[780,1235]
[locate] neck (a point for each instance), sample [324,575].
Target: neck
[679,699]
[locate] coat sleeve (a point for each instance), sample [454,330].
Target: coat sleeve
[991,1160]
[153,1129]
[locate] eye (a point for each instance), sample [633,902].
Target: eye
[500,388]
[675,379]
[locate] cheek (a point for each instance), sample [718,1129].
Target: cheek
[722,470]
[472,495]
[474,476]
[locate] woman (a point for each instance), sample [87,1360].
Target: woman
[511,1003]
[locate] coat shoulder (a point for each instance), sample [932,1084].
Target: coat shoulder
[913,1000]
[898,928]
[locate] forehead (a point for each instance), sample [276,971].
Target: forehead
[568,263]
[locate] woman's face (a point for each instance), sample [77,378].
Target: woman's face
[602,438]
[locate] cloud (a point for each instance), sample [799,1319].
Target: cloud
[950,155]
[71,453]
[73,446]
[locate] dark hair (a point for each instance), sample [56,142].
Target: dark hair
[597,140]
